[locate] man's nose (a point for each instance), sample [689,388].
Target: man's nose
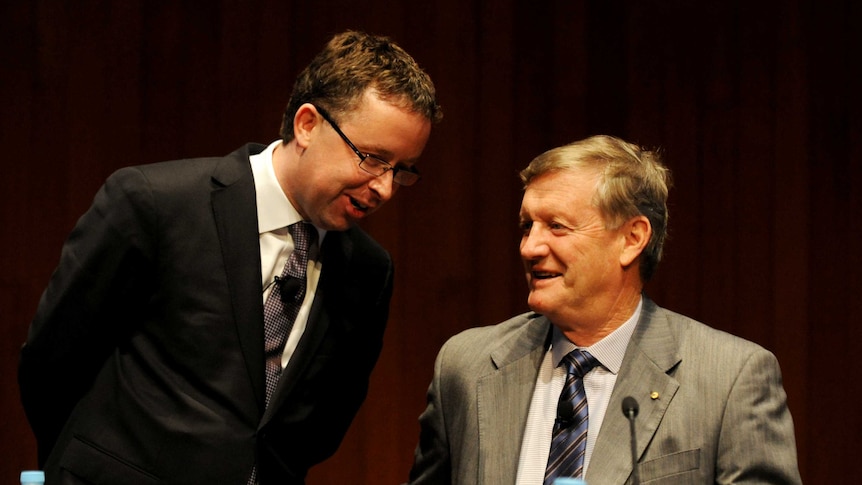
[384,185]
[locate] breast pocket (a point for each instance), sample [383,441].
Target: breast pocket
[676,468]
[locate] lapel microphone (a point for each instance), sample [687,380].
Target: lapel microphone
[288,288]
[565,414]
[630,411]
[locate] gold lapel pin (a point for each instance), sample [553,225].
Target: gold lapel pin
[653,395]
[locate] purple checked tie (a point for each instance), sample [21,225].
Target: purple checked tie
[282,306]
[283,303]
[569,442]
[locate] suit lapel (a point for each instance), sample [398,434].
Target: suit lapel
[335,252]
[651,354]
[504,398]
[235,213]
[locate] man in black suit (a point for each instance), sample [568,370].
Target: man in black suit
[145,361]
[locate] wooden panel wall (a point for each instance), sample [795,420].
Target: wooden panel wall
[755,104]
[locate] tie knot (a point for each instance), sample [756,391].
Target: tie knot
[303,234]
[579,362]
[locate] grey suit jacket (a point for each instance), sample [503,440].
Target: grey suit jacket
[712,407]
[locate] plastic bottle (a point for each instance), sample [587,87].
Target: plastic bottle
[569,481]
[32,477]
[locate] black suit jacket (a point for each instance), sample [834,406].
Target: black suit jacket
[144,363]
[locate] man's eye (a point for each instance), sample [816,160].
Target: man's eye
[406,169]
[374,160]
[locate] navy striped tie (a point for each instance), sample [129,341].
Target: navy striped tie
[569,442]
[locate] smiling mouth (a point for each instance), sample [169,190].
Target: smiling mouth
[359,206]
[543,275]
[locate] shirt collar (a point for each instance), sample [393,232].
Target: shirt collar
[274,210]
[609,351]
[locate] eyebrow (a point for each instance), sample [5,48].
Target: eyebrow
[378,152]
[387,156]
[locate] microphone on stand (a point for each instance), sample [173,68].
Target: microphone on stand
[630,411]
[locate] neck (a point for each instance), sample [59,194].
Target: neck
[586,330]
[283,162]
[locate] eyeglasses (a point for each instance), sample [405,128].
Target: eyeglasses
[370,163]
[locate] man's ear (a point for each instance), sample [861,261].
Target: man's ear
[304,122]
[636,233]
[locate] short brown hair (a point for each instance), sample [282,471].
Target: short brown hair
[351,63]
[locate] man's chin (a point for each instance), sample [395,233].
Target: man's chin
[337,223]
[535,303]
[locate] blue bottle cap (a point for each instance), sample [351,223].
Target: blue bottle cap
[32,476]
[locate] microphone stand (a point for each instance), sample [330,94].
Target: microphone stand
[630,410]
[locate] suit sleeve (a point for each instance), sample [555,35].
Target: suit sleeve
[88,305]
[432,460]
[756,443]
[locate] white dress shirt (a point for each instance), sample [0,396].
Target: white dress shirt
[274,214]
[598,385]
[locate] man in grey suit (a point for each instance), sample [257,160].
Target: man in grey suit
[712,408]
[148,360]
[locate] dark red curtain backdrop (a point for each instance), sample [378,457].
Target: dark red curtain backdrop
[755,104]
